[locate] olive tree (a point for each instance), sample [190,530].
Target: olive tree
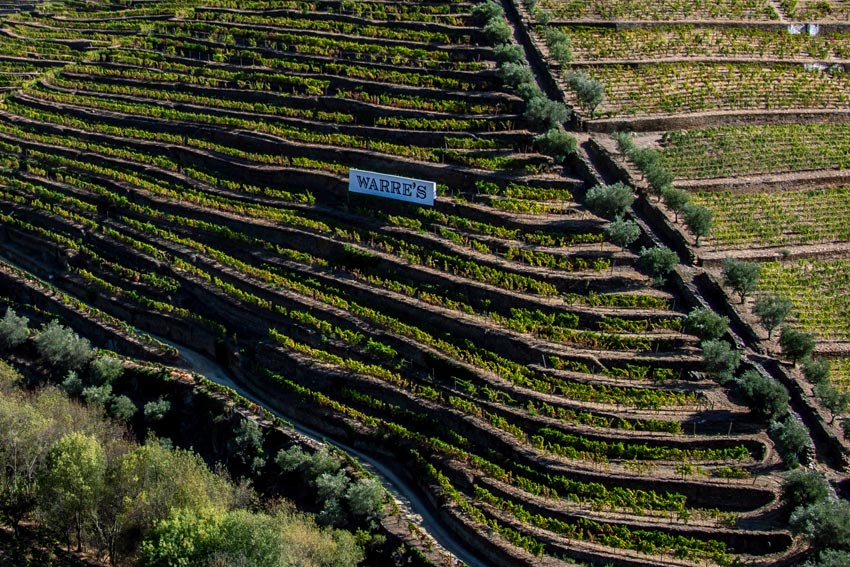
[741,276]
[771,311]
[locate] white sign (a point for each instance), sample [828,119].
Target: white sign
[392,187]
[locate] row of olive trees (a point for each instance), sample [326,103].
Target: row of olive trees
[545,114]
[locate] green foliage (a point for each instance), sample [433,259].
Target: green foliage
[830,558]
[546,113]
[497,31]
[98,395]
[622,232]
[720,360]
[835,401]
[61,347]
[816,370]
[514,74]
[698,221]
[590,92]
[791,440]
[72,384]
[771,311]
[741,276]
[705,324]
[14,329]
[122,408]
[509,53]
[658,261]
[486,11]
[825,523]
[765,396]
[246,444]
[556,143]
[157,410]
[610,201]
[675,199]
[796,344]
[558,44]
[804,487]
[105,370]
[366,498]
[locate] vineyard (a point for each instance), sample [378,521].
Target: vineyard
[177,171]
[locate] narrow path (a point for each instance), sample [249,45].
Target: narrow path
[412,505]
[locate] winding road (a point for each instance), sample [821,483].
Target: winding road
[407,497]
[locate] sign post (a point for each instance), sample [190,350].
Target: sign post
[392,187]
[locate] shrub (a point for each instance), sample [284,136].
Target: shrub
[509,53]
[559,45]
[546,113]
[771,311]
[556,143]
[122,408]
[830,558]
[497,31]
[796,344]
[366,498]
[610,200]
[658,261]
[766,397]
[529,91]
[622,232]
[720,360]
[14,329]
[105,370]
[157,410]
[486,11]
[741,276]
[825,523]
[791,440]
[61,347]
[804,487]
[816,370]
[705,324]
[514,74]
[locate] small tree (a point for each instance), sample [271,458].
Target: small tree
[796,344]
[556,143]
[804,487]
[658,176]
[825,523]
[546,113]
[720,360]
[622,232]
[157,410]
[61,347]
[559,45]
[816,370]
[791,440]
[509,53]
[486,11]
[766,397]
[741,276]
[698,221]
[705,324]
[610,200]
[122,408]
[832,399]
[658,261]
[514,74]
[675,199]
[247,444]
[831,558]
[590,92]
[105,370]
[14,329]
[366,498]
[497,30]
[771,311]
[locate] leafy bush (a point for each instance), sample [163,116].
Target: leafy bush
[832,399]
[105,370]
[486,11]
[14,329]
[157,410]
[804,487]
[61,347]
[791,440]
[610,200]
[825,523]
[509,53]
[122,408]
[514,74]
[546,113]
[622,232]
[720,360]
[556,143]
[658,261]
[497,31]
[766,397]
[705,324]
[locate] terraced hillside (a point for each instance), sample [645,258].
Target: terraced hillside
[746,107]
[180,169]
